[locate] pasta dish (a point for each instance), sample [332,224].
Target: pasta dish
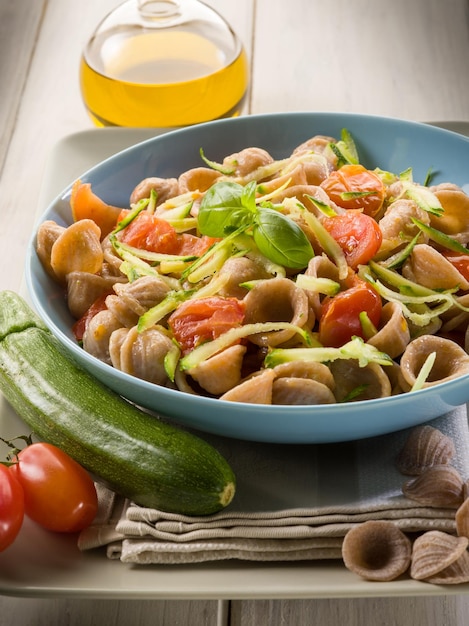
[310,279]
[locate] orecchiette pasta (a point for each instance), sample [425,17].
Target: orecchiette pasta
[309,279]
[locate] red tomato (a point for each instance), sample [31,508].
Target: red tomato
[86,205]
[149,232]
[459,261]
[193,245]
[340,314]
[358,234]
[355,187]
[11,507]
[59,494]
[203,319]
[98,305]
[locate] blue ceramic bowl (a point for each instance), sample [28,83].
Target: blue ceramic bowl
[390,144]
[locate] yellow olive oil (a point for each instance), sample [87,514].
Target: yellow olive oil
[161,78]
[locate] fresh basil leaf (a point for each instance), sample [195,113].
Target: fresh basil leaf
[222,209]
[249,196]
[281,240]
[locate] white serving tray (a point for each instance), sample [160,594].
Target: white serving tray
[44,564]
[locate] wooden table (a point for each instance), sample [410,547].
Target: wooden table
[402,59]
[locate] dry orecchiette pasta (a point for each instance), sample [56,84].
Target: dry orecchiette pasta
[309,279]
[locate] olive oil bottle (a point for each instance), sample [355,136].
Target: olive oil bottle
[163,64]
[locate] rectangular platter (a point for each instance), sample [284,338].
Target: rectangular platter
[42,564]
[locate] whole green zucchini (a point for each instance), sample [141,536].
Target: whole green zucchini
[151,462]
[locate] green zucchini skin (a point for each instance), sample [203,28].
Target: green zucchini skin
[153,463]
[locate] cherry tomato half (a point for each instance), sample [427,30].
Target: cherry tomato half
[204,319]
[11,507]
[340,319]
[355,187]
[149,232]
[358,234]
[460,262]
[59,494]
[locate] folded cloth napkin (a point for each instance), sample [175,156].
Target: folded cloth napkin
[293,502]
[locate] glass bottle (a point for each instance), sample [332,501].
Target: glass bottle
[163,63]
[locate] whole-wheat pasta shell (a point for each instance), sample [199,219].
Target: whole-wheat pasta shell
[377,550]
[437,486]
[434,551]
[276,300]
[393,335]
[451,360]
[425,447]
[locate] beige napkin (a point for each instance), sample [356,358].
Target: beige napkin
[293,502]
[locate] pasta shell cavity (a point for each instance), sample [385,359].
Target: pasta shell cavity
[394,334]
[377,550]
[359,383]
[276,300]
[451,360]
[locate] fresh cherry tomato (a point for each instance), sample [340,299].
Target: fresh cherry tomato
[149,232]
[355,187]
[204,319]
[11,507]
[59,494]
[460,262]
[358,234]
[340,319]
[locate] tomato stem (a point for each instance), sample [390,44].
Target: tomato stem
[14,449]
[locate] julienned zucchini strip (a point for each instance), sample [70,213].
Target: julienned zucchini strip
[149,461]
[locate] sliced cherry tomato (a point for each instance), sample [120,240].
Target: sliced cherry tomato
[459,261]
[203,319]
[340,319]
[355,187]
[11,507]
[358,234]
[59,494]
[149,232]
[193,245]
[80,325]
[86,205]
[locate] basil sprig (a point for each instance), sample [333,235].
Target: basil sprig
[228,207]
